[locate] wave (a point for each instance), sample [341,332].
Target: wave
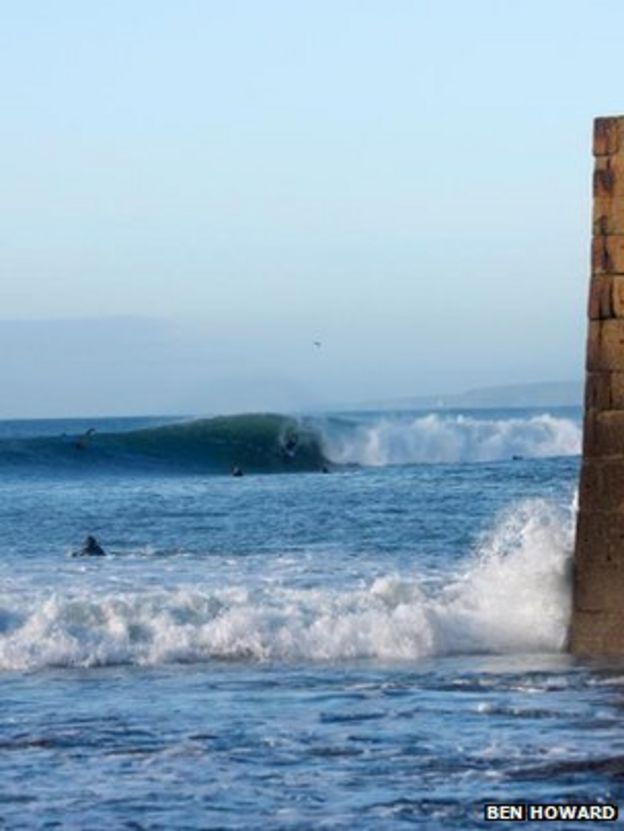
[513,596]
[254,443]
[431,438]
[266,443]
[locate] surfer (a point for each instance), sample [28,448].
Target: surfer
[236,471]
[290,445]
[82,442]
[90,548]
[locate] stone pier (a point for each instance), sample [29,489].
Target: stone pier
[598,600]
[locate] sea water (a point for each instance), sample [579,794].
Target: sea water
[366,630]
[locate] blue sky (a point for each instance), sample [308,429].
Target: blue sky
[194,192]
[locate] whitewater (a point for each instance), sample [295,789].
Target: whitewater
[270,442]
[367,629]
[511,596]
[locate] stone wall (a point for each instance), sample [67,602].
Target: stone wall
[598,600]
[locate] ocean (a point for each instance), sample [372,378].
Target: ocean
[365,630]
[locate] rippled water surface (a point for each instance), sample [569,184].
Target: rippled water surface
[372,648]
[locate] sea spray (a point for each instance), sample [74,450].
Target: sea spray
[512,595]
[515,594]
[437,437]
[274,443]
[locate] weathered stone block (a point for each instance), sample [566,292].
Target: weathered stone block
[609,177]
[600,541]
[608,215]
[608,254]
[603,434]
[599,586]
[605,345]
[617,296]
[596,632]
[602,485]
[604,391]
[606,296]
[607,136]
[600,305]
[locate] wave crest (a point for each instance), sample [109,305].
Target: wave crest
[273,443]
[512,596]
[449,438]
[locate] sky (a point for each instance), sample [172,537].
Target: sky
[194,192]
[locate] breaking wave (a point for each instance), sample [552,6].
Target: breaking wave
[512,596]
[450,438]
[265,443]
[273,443]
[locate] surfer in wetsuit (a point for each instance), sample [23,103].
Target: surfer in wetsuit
[90,548]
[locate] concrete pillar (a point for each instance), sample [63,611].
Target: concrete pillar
[598,600]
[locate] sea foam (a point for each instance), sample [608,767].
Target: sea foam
[512,595]
[435,437]
[273,443]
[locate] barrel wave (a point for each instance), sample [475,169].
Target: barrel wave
[255,443]
[276,443]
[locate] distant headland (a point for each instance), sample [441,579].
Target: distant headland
[542,394]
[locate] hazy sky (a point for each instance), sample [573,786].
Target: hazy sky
[193,192]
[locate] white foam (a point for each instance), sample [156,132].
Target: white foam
[434,438]
[515,596]
[512,596]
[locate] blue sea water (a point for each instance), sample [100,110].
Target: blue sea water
[375,646]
